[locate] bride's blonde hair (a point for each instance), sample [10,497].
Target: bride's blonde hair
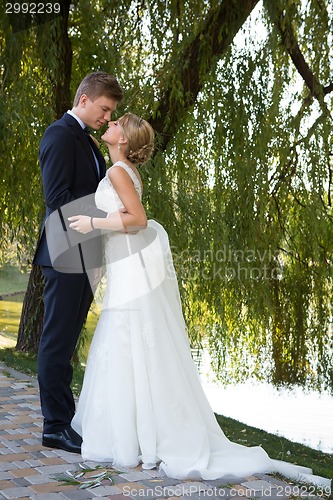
[140,137]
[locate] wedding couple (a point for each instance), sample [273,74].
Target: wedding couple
[141,400]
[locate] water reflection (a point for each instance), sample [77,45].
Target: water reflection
[297,414]
[10,313]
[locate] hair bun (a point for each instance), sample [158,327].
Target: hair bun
[141,155]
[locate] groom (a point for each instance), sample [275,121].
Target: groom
[71,167]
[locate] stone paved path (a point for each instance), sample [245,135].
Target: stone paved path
[29,470]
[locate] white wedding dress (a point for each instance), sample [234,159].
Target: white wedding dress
[142,400]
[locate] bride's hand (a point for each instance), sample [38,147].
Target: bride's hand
[80,223]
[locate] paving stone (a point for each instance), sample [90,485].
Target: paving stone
[46,496]
[39,424]
[37,454]
[48,452]
[15,493]
[13,448]
[135,476]
[52,469]
[32,447]
[117,497]
[28,425]
[5,425]
[154,473]
[32,440]
[5,484]
[4,466]
[272,479]
[238,497]
[80,495]
[22,464]
[188,487]
[16,457]
[103,491]
[5,451]
[225,480]
[258,485]
[161,481]
[40,479]
[121,471]
[117,480]
[74,458]
[5,475]
[21,481]
[19,385]
[212,494]
[127,488]
[157,490]
[34,463]
[52,487]
[52,461]
[279,496]
[23,472]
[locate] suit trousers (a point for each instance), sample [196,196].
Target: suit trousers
[67,298]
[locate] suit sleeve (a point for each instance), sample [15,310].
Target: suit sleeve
[57,160]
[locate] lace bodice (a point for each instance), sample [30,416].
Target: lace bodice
[117,245]
[106,197]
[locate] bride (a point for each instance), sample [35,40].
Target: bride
[142,400]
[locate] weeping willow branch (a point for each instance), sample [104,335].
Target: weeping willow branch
[329,179]
[188,70]
[328,89]
[283,24]
[286,172]
[288,237]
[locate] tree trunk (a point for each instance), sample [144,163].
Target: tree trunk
[31,324]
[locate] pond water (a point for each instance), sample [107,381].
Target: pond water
[10,312]
[299,415]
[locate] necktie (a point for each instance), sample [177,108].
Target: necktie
[91,142]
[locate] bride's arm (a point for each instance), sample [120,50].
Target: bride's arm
[131,220]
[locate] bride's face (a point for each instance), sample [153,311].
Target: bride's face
[114,134]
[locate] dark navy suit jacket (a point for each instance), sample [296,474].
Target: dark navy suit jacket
[69,176]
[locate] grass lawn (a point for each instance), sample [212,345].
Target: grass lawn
[12,280]
[13,284]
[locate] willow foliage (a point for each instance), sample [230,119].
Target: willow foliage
[23,120]
[242,176]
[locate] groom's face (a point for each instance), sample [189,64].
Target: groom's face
[98,112]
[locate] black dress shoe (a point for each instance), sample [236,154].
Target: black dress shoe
[66,439]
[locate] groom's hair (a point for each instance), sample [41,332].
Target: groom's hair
[99,84]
